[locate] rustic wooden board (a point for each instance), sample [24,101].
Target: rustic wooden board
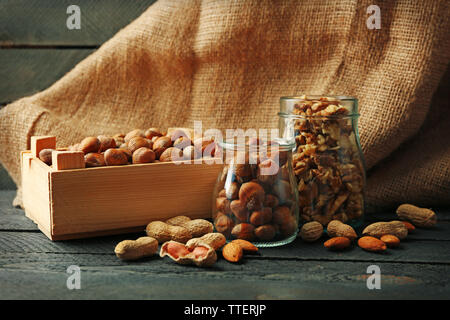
[27,71]
[31,266]
[43,22]
[43,275]
[411,251]
[6,183]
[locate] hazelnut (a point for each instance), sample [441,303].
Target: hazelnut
[271,201]
[289,227]
[223,205]
[205,146]
[243,231]
[282,189]
[182,142]
[106,143]
[261,217]
[161,144]
[94,160]
[267,172]
[171,154]
[134,133]
[252,194]
[265,232]
[90,144]
[178,133]
[281,215]
[224,224]
[232,191]
[127,153]
[115,157]
[153,132]
[190,153]
[239,210]
[143,155]
[138,142]
[46,156]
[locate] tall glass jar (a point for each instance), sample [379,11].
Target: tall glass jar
[255,196]
[327,161]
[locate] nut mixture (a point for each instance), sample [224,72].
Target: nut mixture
[327,163]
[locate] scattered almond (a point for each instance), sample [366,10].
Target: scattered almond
[409,226]
[337,243]
[245,245]
[232,252]
[390,240]
[371,244]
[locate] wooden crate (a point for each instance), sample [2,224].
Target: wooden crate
[88,202]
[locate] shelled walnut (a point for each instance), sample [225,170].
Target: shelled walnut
[327,162]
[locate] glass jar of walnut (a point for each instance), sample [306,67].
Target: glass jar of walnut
[327,161]
[255,196]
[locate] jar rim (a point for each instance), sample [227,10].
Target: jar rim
[330,117]
[318,96]
[281,143]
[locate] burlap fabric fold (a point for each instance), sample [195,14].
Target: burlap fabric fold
[228,62]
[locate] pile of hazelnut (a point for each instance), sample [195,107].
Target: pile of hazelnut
[327,162]
[141,146]
[255,197]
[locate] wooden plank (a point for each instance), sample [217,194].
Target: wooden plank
[43,22]
[27,71]
[12,218]
[6,182]
[411,251]
[28,275]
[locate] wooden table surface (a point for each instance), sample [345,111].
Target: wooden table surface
[33,267]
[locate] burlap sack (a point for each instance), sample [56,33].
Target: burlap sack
[228,62]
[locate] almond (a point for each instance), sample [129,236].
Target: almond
[232,252]
[337,243]
[246,245]
[390,240]
[371,244]
[409,226]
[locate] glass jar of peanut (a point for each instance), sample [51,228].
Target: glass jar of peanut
[327,161]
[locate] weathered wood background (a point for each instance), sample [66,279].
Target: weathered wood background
[37,48]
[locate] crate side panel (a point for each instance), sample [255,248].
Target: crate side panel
[110,198]
[35,191]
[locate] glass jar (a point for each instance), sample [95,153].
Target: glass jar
[327,160]
[255,195]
